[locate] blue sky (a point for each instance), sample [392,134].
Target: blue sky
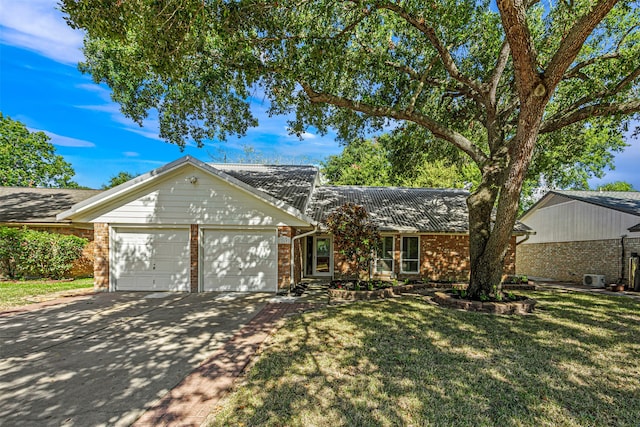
[41,87]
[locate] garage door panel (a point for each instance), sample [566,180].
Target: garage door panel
[239,260]
[151,259]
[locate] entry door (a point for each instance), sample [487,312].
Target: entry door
[322,256]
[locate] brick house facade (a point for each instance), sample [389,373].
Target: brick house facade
[192,226]
[443,257]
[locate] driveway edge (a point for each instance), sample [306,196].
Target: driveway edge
[191,401]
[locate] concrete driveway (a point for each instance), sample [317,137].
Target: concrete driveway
[105,359]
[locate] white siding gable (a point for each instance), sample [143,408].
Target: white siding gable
[173,199]
[573,220]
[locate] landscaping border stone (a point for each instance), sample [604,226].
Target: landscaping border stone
[513,307]
[392,291]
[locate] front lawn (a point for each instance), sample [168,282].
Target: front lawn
[574,362]
[18,293]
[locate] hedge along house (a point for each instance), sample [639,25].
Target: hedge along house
[581,232]
[193,226]
[36,209]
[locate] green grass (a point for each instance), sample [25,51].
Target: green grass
[574,362]
[18,293]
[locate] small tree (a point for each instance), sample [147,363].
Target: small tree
[355,237]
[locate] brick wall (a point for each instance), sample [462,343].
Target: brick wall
[86,233]
[569,261]
[193,246]
[284,256]
[442,257]
[101,257]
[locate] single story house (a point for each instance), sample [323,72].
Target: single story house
[36,209]
[193,226]
[581,233]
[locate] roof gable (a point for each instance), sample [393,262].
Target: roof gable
[622,201]
[101,203]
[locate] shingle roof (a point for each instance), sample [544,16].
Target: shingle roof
[291,184]
[401,209]
[623,201]
[38,205]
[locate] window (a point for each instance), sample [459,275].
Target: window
[384,264]
[410,254]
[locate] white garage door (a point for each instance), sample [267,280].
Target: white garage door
[238,260]
[150,259]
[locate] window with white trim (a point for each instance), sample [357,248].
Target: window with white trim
[410,262]
[384,262]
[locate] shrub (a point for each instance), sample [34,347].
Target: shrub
[32,253]
[10,239]
[355,236]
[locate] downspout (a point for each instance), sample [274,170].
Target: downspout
[621,279]
[293,253]
[526,237]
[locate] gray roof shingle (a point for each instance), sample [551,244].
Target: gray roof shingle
[38,205]
[400,209]
[291,184]
[623,201]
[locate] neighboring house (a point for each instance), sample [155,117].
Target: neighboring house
[193,226]
[581,232]
[36,208]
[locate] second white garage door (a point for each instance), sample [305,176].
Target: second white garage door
[239,260]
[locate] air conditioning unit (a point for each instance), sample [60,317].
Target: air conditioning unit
[593,280]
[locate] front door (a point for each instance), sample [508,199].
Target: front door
[322,256]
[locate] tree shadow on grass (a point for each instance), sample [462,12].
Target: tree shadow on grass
[408,362]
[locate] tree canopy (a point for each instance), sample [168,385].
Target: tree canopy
[120,178]
[491,83]
[28,159]
[616,186]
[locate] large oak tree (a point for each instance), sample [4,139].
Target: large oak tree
[490,80]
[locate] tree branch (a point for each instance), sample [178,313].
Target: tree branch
[501,64]
[436,128]
[598,95]
[443,52]
[573,72]
[604,109]
[572,43]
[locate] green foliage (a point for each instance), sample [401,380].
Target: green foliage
[118,179]
[30,253]
[10,240]
[362,162]
[615,186]
[354,236]
[392,161]
[27,159]
[441,71]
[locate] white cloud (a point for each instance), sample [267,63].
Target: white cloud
[38,26]
[130,154]
[65,141]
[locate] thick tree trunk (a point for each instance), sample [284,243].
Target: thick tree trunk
[489,240]
[486,262]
